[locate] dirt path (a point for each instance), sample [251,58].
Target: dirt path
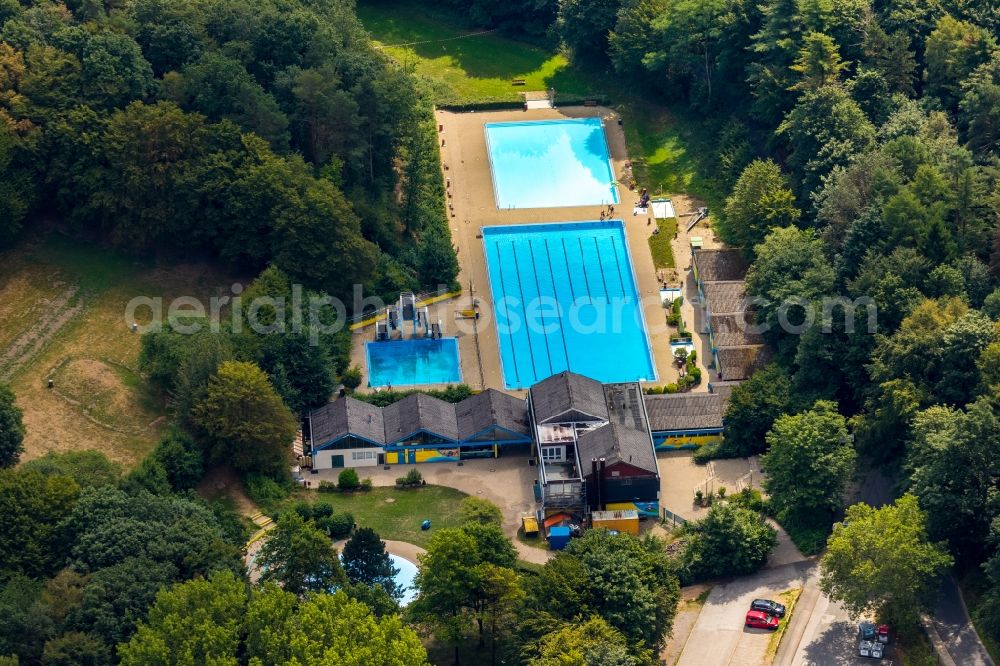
[59,311]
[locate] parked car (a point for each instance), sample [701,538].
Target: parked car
[768,606]
[883,633]
[761,620]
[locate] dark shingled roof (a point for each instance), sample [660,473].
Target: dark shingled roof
[626,436]
[492,407]
[347,416]
[686,411]
[716,265]
[567,391]
[419,412]
[726,297]
[729,331]
[741,362]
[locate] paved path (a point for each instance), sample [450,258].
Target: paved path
[951,619]
[719,637]
[822,632]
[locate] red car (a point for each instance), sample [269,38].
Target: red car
[761,620]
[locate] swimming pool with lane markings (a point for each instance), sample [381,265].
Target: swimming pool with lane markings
[565,297]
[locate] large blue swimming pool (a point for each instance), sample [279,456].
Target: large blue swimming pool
[565,297]
[549,163]
[414,361]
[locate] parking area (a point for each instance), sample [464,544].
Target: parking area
[830,639]
[719,636]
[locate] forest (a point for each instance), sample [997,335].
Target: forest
[856,148]
[271,134]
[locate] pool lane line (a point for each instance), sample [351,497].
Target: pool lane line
[520,290]
[618,267]
[583,263]
[538,291]
[569,273]
[506,312]
[600,264]
[555,295]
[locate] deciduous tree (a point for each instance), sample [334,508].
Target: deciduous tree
[244,420]
[881,561]
[809,462]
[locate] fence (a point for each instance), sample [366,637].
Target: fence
[668,516]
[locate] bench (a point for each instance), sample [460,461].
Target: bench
[590,102]
[517,82]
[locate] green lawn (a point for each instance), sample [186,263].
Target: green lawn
[398,519]
[672,151]
[660,244]
[464,69]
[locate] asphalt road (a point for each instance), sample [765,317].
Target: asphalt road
[952,623]
[719,637]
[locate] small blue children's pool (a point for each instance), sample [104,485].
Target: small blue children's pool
[416,361]
[551,163]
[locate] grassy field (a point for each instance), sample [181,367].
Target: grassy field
[62,305]
[672,150]
[660,244]
[463,67]
[394,514]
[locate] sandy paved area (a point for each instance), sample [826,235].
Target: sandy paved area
[472,206]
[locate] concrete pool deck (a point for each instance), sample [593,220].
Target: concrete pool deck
[472,206]
[466,157]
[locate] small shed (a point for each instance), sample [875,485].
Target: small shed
[558,537]
[624,520]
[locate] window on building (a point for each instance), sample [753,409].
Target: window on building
[554,453]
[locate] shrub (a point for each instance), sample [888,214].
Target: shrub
[337,525]
[366,484]
[671,388]
[412,478]
[478,510]
[749,498]
[699,497]
[707,452]
[327,487]
[320,511]
[304,509]
[351,378]
[266,490]
[348,480]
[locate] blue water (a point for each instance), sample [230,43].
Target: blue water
[416,361]
[564,297]
[550,163]
[404,579]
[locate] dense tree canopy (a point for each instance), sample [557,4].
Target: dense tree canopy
[881,561]
[11,428]
[809,462]
[244,420]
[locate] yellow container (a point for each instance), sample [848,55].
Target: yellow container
[626,520]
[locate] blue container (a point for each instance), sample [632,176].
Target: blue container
[426,525]
[558,538]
